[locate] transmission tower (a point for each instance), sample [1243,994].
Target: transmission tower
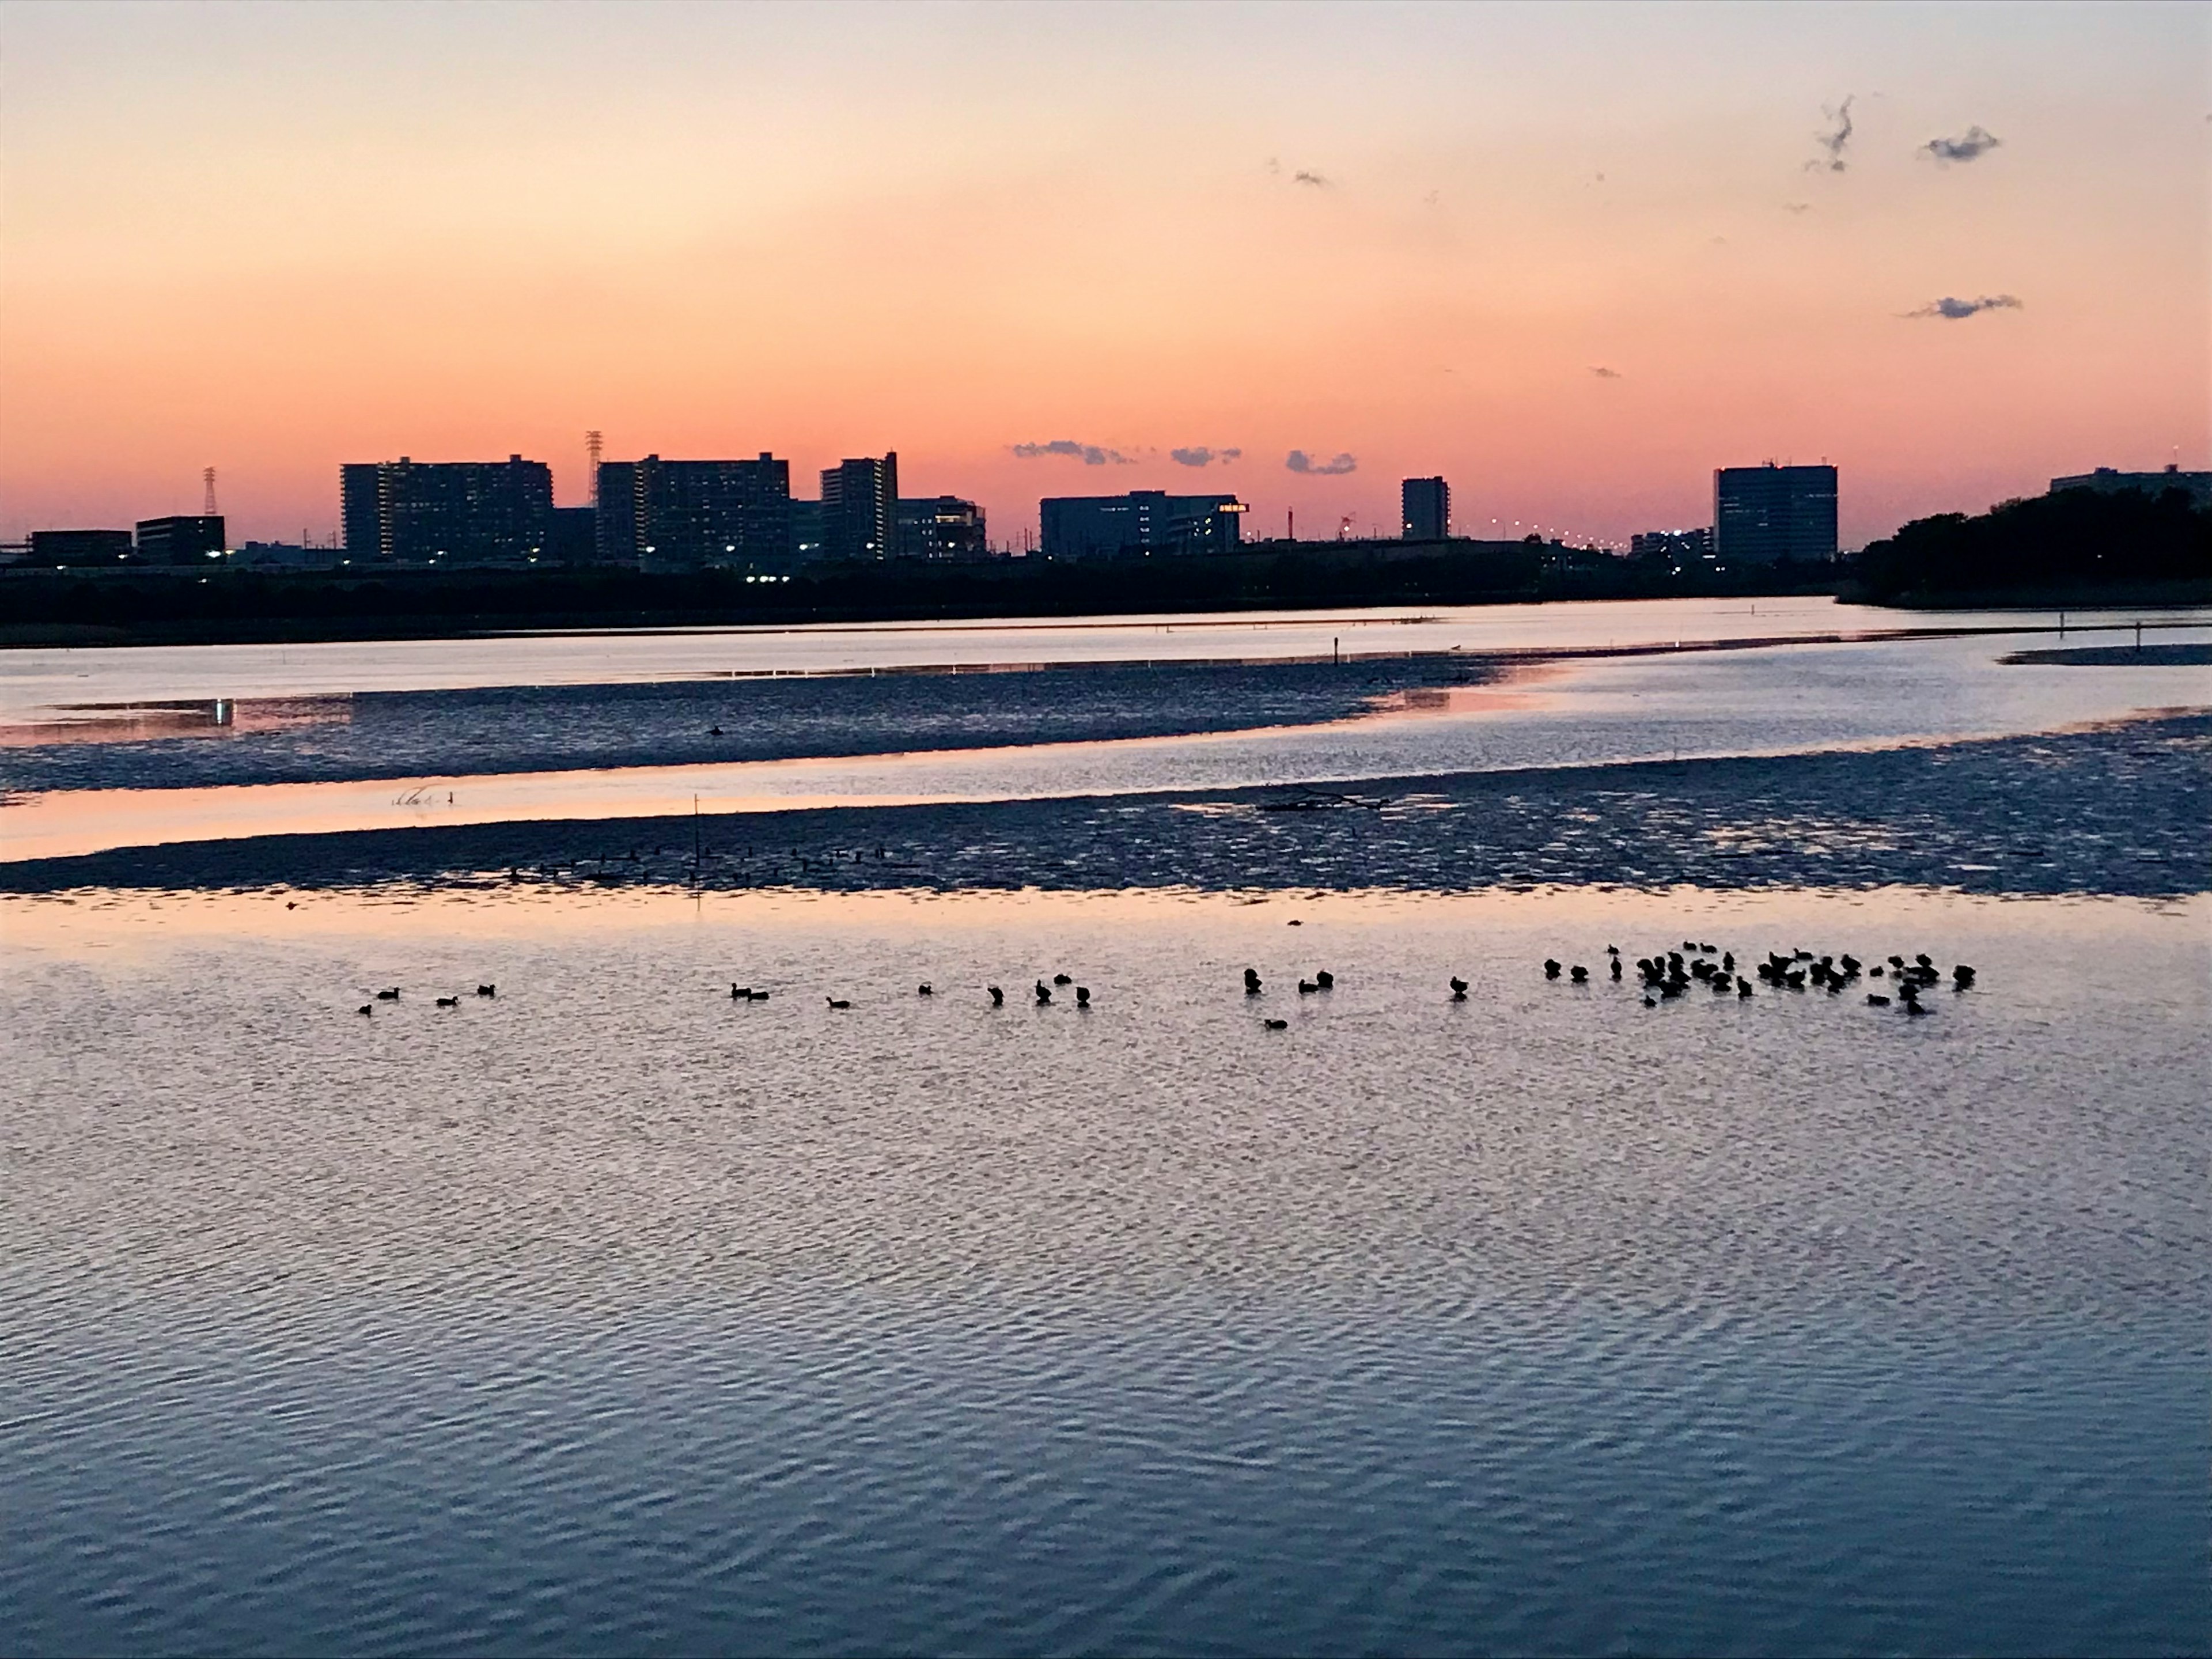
[592,447]
[207,498]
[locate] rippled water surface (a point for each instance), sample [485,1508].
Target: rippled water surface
[608,1314]
[467,758]
[39,683]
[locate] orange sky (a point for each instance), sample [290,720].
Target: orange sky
[273,238]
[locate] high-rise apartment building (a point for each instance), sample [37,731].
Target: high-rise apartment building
[410,512]
[189,539]
[859,508]
[1425,509]
[940,527]
[1141,523]
[686,516]
[1763,515]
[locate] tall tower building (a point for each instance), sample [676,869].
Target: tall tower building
[1762,514]
[1424,513]
[859,508]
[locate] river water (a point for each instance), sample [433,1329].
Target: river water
[608,1314]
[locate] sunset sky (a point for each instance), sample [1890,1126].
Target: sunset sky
[1572,257]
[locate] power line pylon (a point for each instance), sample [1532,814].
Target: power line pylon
[207,497]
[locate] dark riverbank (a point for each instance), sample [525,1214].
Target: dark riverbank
[2076,549]
[231,606]
[2113,809]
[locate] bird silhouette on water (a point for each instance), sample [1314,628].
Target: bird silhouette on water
[391,995]
[998,997]
[1251,981]
[1327,980]
[923,990]
[1307,988]
[1276,1025]
[1459,988]
[1062,979]
[366,1008]
[449,1002]
[1043,994]
[838,1002]
[1082,996]
[1578,973]
[487,990]
[1551,969]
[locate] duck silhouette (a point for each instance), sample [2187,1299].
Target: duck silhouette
[1551,969]
[738,992]
[391,995]
[1579,973]
[1082,996]
[1251,981]
[449,1002]
[1062,979]
[366,1008]
[1276,1025]
[838,1002]
[1307,988]
[923,990]
[1327,980]
[1616,967]
[998,997]
[1875,999]
[1043,994]
[487,990]
[1459,990]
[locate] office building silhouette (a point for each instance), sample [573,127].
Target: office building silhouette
[1143,524]
[1762,514]
[184,539]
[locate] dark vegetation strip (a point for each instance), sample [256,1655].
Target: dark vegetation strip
[245,606]
[2085,543]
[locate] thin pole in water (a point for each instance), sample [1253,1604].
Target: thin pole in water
[696,849]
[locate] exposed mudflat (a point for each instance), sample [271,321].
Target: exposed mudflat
[2118,808]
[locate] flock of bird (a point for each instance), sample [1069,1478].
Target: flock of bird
[1663,976]
[1669,974]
